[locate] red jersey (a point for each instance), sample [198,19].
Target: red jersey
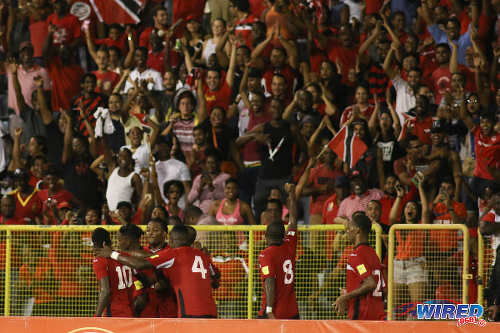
[27,207]
[106,81]
[346,115]
[67,28]
[161,304]
[61,196]
[330,210]
[189,272]
[362,263]
[220,97]
[278,262]
[120,283]
[485,147]
[419,128]
[287,71]
[120,43]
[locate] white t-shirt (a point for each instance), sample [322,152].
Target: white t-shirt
[172,169]
[141,157]
[155,76]
[405,97]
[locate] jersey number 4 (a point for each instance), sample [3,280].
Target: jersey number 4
[124,277]
[198,267]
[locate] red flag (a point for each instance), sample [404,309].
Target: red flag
[348,146]
[118,11]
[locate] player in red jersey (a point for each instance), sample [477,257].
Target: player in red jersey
[115,279]
[152,295]
[189,271]
[363,297]
[277,266]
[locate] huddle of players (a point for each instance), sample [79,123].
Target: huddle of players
[176,280]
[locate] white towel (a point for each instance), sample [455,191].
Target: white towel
[103,123]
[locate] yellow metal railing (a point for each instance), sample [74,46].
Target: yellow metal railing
[27,280]
[458,237]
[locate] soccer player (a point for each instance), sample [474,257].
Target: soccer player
[364,279]
[115,279]
[189,271]
[152,295]
[277,266]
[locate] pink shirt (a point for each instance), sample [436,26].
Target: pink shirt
[205,196]
[26,80]
[353,203]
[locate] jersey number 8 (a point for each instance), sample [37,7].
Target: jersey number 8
[288,270]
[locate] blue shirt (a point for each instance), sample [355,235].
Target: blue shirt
[463,42]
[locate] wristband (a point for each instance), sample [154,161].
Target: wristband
[114,255]
[269,309]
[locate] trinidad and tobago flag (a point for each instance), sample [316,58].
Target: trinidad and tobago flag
[118,11]
[348,146]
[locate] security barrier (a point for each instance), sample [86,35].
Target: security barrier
[47,270]
[486,259]
[426,263]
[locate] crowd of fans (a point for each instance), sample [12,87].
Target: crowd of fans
[200,113]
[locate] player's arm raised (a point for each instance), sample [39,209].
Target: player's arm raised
[292,206]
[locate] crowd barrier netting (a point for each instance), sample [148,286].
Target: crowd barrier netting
[47,270]
[427,263]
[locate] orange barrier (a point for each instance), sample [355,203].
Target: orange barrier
[132,325]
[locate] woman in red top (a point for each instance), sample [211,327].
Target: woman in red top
[361,109]
[410,274]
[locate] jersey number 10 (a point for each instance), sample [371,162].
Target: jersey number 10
[124,277]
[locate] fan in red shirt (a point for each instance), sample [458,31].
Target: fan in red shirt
[28,204]
[277,266]
[218,92]
[189,271]
[363,297]
[155,298]
[115,279]
[420,126]
[65,25]
[244,21]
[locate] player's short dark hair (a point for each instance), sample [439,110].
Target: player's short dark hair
[362,221]
[101,237]
[182,231]
[174,220]
[163,224]
[192,234]
[131,231]
[275,230]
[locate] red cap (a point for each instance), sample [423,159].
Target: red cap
[64,204]
[191,18]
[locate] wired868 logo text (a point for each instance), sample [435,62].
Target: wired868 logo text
[464,314]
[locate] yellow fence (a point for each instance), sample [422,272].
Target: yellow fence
[426,262]
[48,270]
